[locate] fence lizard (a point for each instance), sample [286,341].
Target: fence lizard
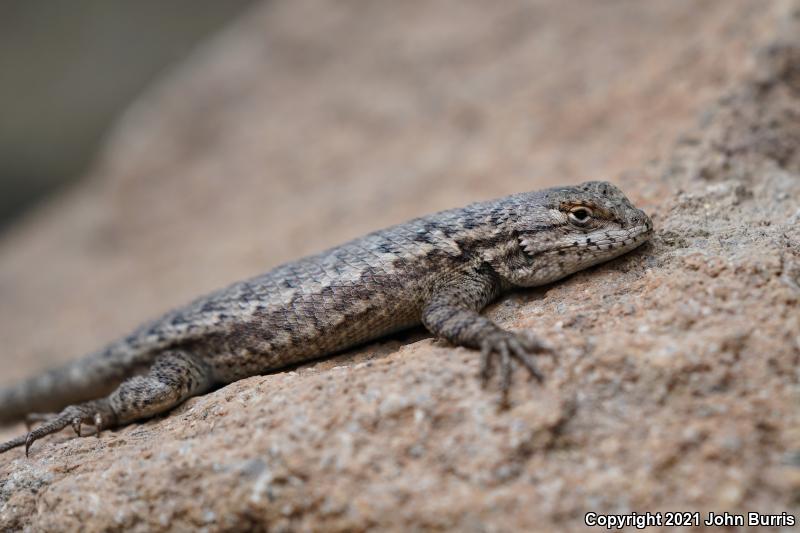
[439,270]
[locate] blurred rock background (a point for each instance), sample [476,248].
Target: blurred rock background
[67,70]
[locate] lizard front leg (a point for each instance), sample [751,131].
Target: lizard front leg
[453,312]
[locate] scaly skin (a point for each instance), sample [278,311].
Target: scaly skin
[439,270]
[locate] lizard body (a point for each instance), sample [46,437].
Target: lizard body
[439,270]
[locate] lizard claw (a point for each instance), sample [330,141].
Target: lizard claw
[507,346]
[28,441]
[486,363]
[76,425]
[99,424]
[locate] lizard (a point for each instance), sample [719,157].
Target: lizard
[439,270]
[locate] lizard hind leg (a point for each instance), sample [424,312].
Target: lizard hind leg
[174,376]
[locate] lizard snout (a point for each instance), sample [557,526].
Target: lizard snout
[640,218]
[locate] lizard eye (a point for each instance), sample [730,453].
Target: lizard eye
[580,215]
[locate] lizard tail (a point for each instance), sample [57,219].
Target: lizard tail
[86,379]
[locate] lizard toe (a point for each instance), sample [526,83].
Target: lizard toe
[505,374]
[101,422]
[534,344]
[498,350]
[74,415]
[76,425]
[486,363]
[524,356]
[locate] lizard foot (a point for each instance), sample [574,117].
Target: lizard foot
[506,346]
[97,413]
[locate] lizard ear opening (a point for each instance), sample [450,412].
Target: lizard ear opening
[533,246]
[528,245]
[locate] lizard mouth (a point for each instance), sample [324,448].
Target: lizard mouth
[602,243]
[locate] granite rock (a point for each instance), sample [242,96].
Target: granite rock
[306,123]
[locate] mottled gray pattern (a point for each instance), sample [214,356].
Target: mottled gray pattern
[439,270]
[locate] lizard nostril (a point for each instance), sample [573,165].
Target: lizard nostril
[639,218]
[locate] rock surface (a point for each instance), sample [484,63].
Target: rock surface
[307,123]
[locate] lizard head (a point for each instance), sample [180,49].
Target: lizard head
[556,232]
